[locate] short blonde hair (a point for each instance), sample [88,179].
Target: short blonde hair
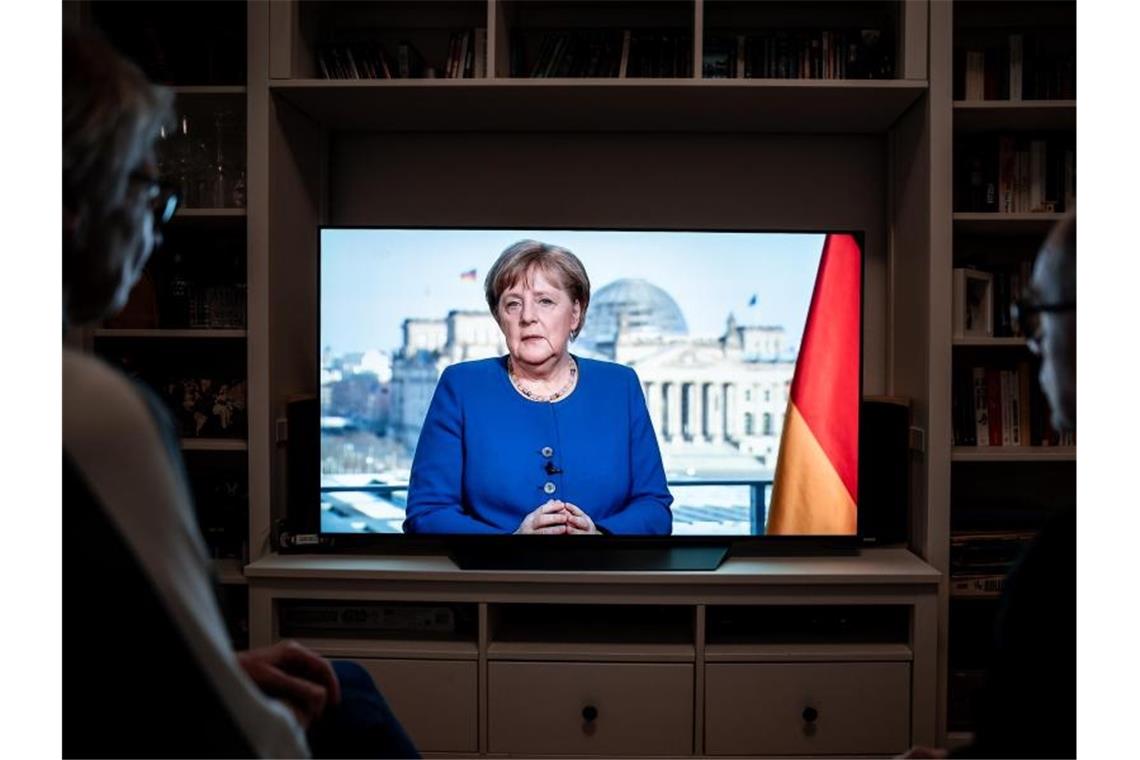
[516,262]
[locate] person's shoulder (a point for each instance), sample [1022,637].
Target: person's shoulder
[96,387]
[101,404]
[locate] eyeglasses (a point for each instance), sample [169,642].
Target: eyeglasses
[1026,316]
[163,197]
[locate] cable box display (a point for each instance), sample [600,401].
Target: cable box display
[336,619]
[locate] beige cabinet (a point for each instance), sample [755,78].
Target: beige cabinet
[629,664]
[579,708]
[434,700]
[807,708]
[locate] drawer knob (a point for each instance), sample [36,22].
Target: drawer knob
[589,713]
[810,714]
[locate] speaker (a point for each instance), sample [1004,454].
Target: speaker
[303,465]
[884,470]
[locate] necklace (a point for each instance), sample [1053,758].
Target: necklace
[534,396]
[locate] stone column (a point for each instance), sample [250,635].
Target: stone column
[715,417]
[731,424]
[673,410]
[654,400]
[692,422]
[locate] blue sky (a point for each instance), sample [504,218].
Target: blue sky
[371,280]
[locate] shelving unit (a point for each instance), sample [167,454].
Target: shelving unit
[998,488]
[668,153]
[199,52]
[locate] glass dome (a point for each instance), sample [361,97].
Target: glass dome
[640,308]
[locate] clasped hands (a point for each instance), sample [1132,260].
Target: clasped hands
[558,518]
[296,675]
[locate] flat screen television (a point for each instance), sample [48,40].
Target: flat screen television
[746,348]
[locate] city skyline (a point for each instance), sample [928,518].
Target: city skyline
[708,274]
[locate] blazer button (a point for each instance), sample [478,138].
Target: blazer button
[547,452]
[549,488]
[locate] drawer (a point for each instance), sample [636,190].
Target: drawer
[859,708]
[435,700]
[640,709]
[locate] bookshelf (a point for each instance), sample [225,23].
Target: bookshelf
[1000,492]
[654,152]
[185,323]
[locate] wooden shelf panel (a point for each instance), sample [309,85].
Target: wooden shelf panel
[229,334]
[214,444]
[868,652]
[879,566]
[209,213]
[561,105]
[991,342]
[554,651]
[1013,454]
[989,223]
[1035,115]
[403,649]
[229,572]
[236,89]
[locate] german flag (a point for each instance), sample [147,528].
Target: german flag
[816,487]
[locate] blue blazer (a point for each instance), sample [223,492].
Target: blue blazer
[487,456]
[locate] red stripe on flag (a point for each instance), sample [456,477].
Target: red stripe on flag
[826,384]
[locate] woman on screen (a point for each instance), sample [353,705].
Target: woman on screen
[539,440]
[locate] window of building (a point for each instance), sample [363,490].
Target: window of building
[767,423]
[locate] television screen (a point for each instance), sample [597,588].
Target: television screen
[706,384]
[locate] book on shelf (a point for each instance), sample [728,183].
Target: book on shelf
[1023,66]
[410,62]
[623,66]
[1016,58]
[1016,173]
[480,65]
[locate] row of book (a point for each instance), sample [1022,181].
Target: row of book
[1009,173]
[784,54]
[1024,67]
[178,303]
[369,59]
[606,53]
[996,406]
[981,560]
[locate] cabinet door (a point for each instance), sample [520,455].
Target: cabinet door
[807,708]
[435,700]
[590,708]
